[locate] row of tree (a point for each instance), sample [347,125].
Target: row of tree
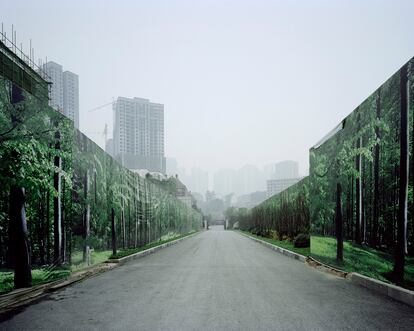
[361,180]
[284,215]
[61,193]
[360,186]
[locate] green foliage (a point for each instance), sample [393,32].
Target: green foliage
[285,214]
[131,251]
[365,260]
[286,244]
[302,240]
[97,257]
[240,216]
[366,142]
[39,276]
[334,161]
[145,209]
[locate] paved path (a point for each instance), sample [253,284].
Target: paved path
[218,280]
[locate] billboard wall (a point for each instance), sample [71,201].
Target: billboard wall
[361,185]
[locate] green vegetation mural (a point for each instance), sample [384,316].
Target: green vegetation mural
[283,216]
[64,202]
[357,202]
[361,186]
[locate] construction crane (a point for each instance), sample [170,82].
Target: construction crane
[102,106]
[105,131]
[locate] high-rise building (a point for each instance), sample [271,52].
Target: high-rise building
[225,181]
[64,92]
[139,134]
[249,179]
[245,180]
[275,186]
[55,72]
[286,169]
[251,200]
[71,96]
[283,175]
[199,180]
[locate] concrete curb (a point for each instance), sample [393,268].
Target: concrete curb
[149,251]
[278,249]
[21,297]
[390,290]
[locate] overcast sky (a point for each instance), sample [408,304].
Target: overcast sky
[243,82]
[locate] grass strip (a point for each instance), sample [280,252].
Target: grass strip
[286,244]
[130,251]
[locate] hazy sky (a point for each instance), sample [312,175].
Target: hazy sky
[243,82]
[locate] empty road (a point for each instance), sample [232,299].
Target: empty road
[217,280]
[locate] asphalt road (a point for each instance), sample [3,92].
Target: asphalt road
[218,280]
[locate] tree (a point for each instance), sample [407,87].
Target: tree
[339,224]
[374,234]
[358,185]
[19,238]
[57,211]
[401,247]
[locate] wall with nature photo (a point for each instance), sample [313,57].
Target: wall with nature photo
[361,186]
[70,187]
[282,216]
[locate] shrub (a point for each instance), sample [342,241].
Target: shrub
[302,240]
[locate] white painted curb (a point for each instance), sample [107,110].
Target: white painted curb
[390,290]
[278,249]
[151,250]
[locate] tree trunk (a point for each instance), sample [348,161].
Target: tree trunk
[129,226]
[20,243]
[352,208]
[57,221]
[62,219]
[48,242]
[113,231]
[86,224]
[358,188]
[19,238]
[363,203]
[149,231]
[401,247]
[374,234]
[41,231]
[136,234]
[123,228]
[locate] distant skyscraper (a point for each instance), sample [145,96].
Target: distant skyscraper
[55,72]
[139,134]
[64,93]
[251,200]
[199,180]
[283,175]
[249,179]
[275,186]
[286,169]
[71,96]
[225,181]
[269,171]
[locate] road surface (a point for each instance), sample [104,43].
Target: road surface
[217,280]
